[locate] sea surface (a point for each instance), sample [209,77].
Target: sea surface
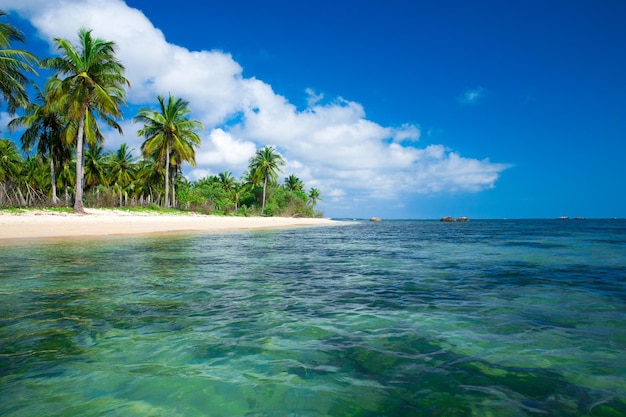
[398,318]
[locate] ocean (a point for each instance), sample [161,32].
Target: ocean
[397,318]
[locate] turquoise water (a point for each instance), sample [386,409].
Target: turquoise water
[398,318]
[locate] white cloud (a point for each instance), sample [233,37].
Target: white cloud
[5,118]
[222,151]
[472,96]
[331,144]
[313,97]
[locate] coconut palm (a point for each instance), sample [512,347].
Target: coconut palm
[34,180]
[170,135]
[148,180]
[89,82]
[11,163]
[226,181]
[14,64]
[122,168]
[66,177]
[44,127]
[314,196]
[265,166]
[293,183]
[95,167]
[10,160]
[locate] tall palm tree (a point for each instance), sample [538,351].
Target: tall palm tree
[170,135]
[44,127]
[265,166]
[14,64]
[89,82]
[122,168]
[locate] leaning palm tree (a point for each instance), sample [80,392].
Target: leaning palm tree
[14,64]
[89,82]
[45,125]
[265,166]
[170,135]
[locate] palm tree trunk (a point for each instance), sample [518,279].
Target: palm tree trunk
[78,198]
[21,198]
[264,186]
[167,176]
[53,181]
[173,189]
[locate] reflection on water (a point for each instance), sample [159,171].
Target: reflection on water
[500,318]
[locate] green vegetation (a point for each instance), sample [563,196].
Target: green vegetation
[63,163]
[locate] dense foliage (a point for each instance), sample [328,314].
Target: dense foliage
[63,162]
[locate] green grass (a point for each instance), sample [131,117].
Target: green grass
[24,210]
[69,210]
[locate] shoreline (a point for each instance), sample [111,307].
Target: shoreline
[38,225]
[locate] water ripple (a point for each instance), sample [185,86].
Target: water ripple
[510,318]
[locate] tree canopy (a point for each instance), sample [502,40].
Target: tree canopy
[63,159]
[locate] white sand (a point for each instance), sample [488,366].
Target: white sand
[102,222]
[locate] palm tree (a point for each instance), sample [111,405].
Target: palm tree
[95,167]
[44,126]
[13,64]
[11,163]
[34,180]
[265,166]
[93,85]
[67,176]
[169,135]
[148,180]
[314,196]
[122,168]
[293,183]
[226,181]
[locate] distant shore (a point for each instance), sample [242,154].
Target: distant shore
[107,222]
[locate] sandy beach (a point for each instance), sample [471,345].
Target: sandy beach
[102,222]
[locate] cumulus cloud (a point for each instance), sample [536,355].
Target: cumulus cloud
[330,144]
[222,151]
[5,118]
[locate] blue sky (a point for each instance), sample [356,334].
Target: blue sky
[396,109]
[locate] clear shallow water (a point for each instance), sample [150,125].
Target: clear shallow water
[398,318]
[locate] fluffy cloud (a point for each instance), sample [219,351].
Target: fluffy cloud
[5,118]
[221,151]
[330,145]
